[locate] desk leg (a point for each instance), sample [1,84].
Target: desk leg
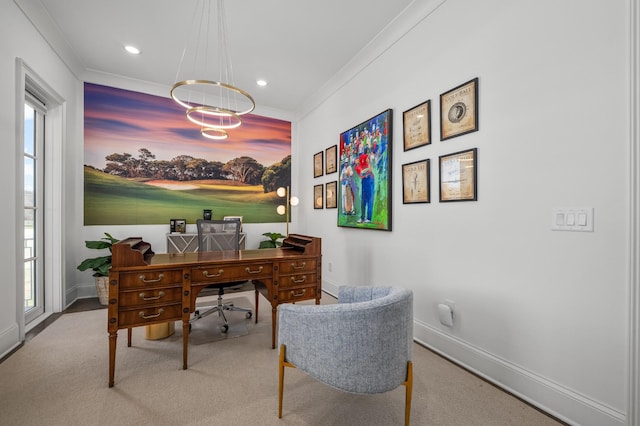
[185,343]
[257,297]
[113,337]
[129,331]
[274,313]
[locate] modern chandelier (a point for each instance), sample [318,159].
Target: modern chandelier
[211,99]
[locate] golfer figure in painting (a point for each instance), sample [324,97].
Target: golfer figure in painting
[364,170]
[348,192]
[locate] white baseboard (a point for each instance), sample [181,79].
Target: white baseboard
[82,291]
[559,401]
[9,340]
[330,288]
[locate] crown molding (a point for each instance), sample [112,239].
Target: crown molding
[412,15]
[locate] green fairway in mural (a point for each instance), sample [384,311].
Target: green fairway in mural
[111,200]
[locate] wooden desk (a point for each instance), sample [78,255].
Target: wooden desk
[147,288]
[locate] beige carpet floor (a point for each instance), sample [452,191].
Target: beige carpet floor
[60,378]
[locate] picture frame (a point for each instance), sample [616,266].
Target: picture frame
[318,196]
[331,159]
[178,226]
[459,110]
[416,183]
[364,193]
[331,195]
[232,228]
[318,164]
[458,175]
[416,124]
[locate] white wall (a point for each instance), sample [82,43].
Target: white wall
[18,39]
[543,313]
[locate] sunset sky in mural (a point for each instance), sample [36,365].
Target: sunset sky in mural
[122,121]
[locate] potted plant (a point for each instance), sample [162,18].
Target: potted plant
[100,266]
[273,241]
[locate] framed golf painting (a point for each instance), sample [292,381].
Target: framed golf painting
[364,192]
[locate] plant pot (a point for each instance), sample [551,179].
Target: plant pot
[102,287]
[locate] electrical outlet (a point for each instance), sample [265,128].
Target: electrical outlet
[451,304]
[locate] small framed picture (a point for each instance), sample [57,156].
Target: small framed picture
[331,192]
[318,164]
[178,225]
[459,176]
[417,126]
[232,218]
[459,110]
[318,199]
[331,159]
[415,182]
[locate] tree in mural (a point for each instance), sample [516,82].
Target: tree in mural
[277,175]
[244,169]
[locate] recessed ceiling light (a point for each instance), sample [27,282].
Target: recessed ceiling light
[261,83]
[132,49]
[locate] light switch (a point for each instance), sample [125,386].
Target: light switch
[559,219]
[582,219]
[571,219]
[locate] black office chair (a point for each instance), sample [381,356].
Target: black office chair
[216,235]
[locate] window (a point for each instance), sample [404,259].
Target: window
[39,248]
[34,122]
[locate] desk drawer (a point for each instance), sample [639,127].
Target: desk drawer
[141,316]
[297,294]
[297,266]
[142,297]
[297,280]
[145,278]
[227,273]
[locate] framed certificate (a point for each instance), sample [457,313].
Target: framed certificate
[415,182]
[417,126]
[331,159]
[318,164]
[331,194]
[318,196]
[459,110]
[458,176]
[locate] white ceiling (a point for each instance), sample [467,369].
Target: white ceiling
[296,45]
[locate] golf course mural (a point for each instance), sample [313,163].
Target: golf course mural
[145,163]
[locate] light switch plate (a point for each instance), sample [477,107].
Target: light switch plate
[572,219]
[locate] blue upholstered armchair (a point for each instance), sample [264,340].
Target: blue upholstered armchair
[361,345]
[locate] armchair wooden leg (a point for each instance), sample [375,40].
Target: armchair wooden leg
[409,388]
[281,365]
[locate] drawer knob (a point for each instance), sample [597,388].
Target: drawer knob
[208,275]
[301,280]
[144,280]
[159,296]
[249,271]
[295,265]
[299,293]
[160,312]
